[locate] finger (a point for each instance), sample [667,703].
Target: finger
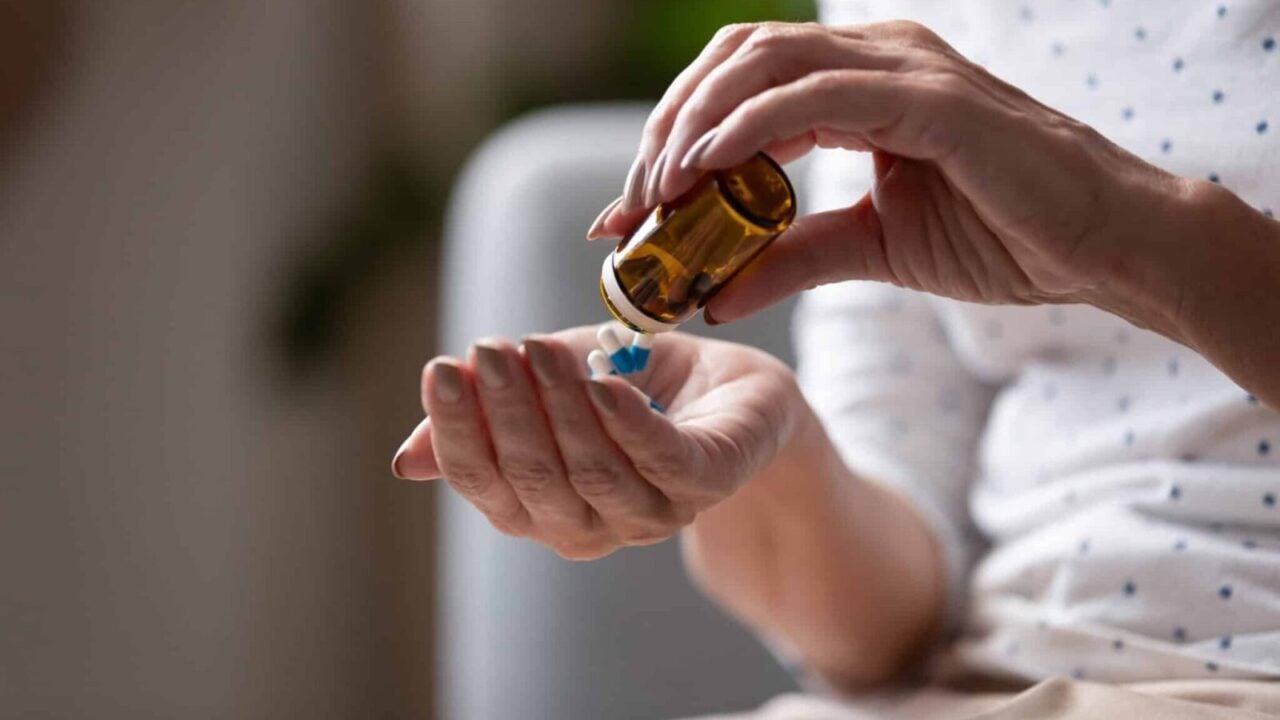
[462,446]
[817,249]
[636,511]
[769,58]
[524,449]
[654,136]
[913,117]
[416,458]
[657,450]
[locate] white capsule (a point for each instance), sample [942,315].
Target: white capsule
[599,363]
[642,340]
[608,339]
[640,351]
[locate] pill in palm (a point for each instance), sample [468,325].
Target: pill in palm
[613,347]
[600,364]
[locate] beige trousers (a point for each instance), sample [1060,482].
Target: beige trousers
[1055,699]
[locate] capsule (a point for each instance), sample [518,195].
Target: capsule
[599,364]
[613,347]
[668,267]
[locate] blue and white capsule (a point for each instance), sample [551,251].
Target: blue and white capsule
[641,346]
[613,347]
[599,364]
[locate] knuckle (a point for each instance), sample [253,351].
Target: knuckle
[666,465]
[468,480]
[511,523]
[733,32]
[595,478]
[529,475]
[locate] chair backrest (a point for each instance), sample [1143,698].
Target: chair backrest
[523,633]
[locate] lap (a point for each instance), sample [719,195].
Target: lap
[1055,699]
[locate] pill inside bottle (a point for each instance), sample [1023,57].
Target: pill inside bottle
[669,266]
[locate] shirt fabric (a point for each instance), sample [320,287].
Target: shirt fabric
[1107,500]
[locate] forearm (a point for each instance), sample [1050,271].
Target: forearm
[1209,277]
[840,569]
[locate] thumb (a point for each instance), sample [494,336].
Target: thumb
[817,249]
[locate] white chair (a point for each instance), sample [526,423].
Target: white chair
[524,634]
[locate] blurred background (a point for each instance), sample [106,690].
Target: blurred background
[220,244]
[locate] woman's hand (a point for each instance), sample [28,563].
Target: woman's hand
[981,193]
[585,466]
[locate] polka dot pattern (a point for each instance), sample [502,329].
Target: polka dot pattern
[1126,489]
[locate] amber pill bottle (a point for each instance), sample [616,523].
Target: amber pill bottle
[665,270]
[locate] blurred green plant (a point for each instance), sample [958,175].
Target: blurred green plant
[402,202]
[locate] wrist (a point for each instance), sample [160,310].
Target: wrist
[1201,267]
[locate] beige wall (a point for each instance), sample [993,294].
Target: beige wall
[180,536]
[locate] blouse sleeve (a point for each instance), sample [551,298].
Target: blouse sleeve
[875,363]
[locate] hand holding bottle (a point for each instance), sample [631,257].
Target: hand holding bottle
[981,193]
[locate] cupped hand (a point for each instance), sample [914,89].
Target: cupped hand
[586,466]
[981,193]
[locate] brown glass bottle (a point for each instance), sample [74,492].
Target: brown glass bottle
[665,270]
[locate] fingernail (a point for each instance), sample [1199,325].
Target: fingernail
[694,156]
[543,362]
[597,227]
[602,397]
[492,367]
[653,189]
[448,384]
[633,188]
[395,461]
[707,318]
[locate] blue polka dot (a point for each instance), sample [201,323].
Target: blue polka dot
[1078,673]
[1127,113]
[1129,437]
[1057,49]
[1130,588]
[1180,546]
[1083,547]
[1251,399]
[1225,642]
[1178,64]
[1267,212]
[1104,3]
[1211,666]
[1249,545]
[1173,366]
[1269,499]
[1269,44]
[1214,178]
[1264,447]
[1180,634]
[1219,96]
[1026,13]
[1122,404]
[1175,492]
[1166,146]
[1188,457]
[1224,592]
[1140,33]
[1261,127]
[1117,644]
[1109,366]
[1222,11]
[1091,80]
